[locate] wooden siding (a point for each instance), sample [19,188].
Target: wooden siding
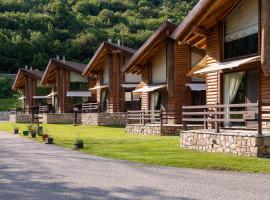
[29,92]
[116,98]
[213,52]
[182,66]
[145,81]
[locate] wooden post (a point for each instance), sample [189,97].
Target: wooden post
[143,122]
[75,115]
[205,117]
[259,118]
[217,124]
[184,126]
[265,45]
[161,117]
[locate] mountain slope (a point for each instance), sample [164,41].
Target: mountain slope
[32,31]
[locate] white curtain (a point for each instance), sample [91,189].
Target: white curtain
[232,82]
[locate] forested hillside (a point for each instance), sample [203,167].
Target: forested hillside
[32,31]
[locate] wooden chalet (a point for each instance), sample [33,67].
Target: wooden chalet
[113,87]
[27,81]
[234,35]
[165,86]
[69,87]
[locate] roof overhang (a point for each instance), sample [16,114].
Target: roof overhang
[78,94]
[99,87]
[100,55]
[196,86]
[149,48]
[50,72]
[41,97]
[150,88]
[22,73]
[206,14]
[201,65]
[129,85]
[230,65]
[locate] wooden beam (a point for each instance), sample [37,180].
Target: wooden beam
[265,27]
[199,31]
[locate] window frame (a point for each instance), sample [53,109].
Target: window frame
[222,33]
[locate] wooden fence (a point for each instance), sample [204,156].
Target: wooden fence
[249,114]
[160,117]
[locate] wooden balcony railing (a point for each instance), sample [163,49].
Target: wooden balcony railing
[225,115]
[159,117]
[90,107]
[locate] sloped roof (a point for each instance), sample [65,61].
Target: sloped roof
[162,33]
[204,15]
[101,53]
[22,73]
[57,63]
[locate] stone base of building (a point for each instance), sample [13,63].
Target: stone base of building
[4,116]
[104,119]
[20,118]
[240,142]
[59,118]
[156,129]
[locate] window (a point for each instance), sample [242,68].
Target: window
[132,78]
[103,100]
[241,30]
[78,86]
[128,96]
[155,101]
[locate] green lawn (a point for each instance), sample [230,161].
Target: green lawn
[113,142]
[6,104]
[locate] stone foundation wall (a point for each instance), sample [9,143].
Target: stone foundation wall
[104,119]
[20,118]
[152,129]
[238,143]
[4,116]
[59,118]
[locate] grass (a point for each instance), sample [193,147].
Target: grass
[113,142]
[6,104]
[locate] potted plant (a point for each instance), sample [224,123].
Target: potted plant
[49,140]
[78,143]
[32,130]
[25,132]
[39,130]
[45,134]
[15,130]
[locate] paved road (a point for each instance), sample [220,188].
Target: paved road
[29,170]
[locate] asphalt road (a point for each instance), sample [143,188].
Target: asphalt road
[29,170]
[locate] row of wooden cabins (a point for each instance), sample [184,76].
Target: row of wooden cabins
[131,85]
[207,77]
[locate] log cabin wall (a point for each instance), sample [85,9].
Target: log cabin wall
[265,51]
[62,82]
[116,78]
[178,94]
[91,84]
[29,91]
[182,65]
[213,56]
[121,98]
[145,95]
[117,92]
[113,79]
